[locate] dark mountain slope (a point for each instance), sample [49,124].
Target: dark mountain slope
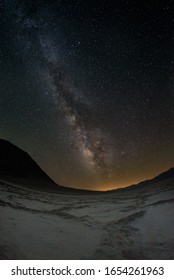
[17,167]
[163,177]
[15,162]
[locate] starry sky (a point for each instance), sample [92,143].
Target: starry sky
[87,88]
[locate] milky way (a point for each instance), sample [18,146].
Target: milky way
[80,116]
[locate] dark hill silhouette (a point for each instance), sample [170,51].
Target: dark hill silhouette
[17,163]
[16,166]
[166,175]
[163,176]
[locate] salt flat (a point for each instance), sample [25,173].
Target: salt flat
[135,223]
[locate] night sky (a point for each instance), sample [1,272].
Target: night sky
[87,88]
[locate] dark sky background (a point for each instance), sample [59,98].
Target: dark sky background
[87,88]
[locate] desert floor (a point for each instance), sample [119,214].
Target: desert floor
[129,224]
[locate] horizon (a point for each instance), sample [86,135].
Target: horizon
[92,189]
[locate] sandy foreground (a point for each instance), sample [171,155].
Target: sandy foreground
[129,224]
